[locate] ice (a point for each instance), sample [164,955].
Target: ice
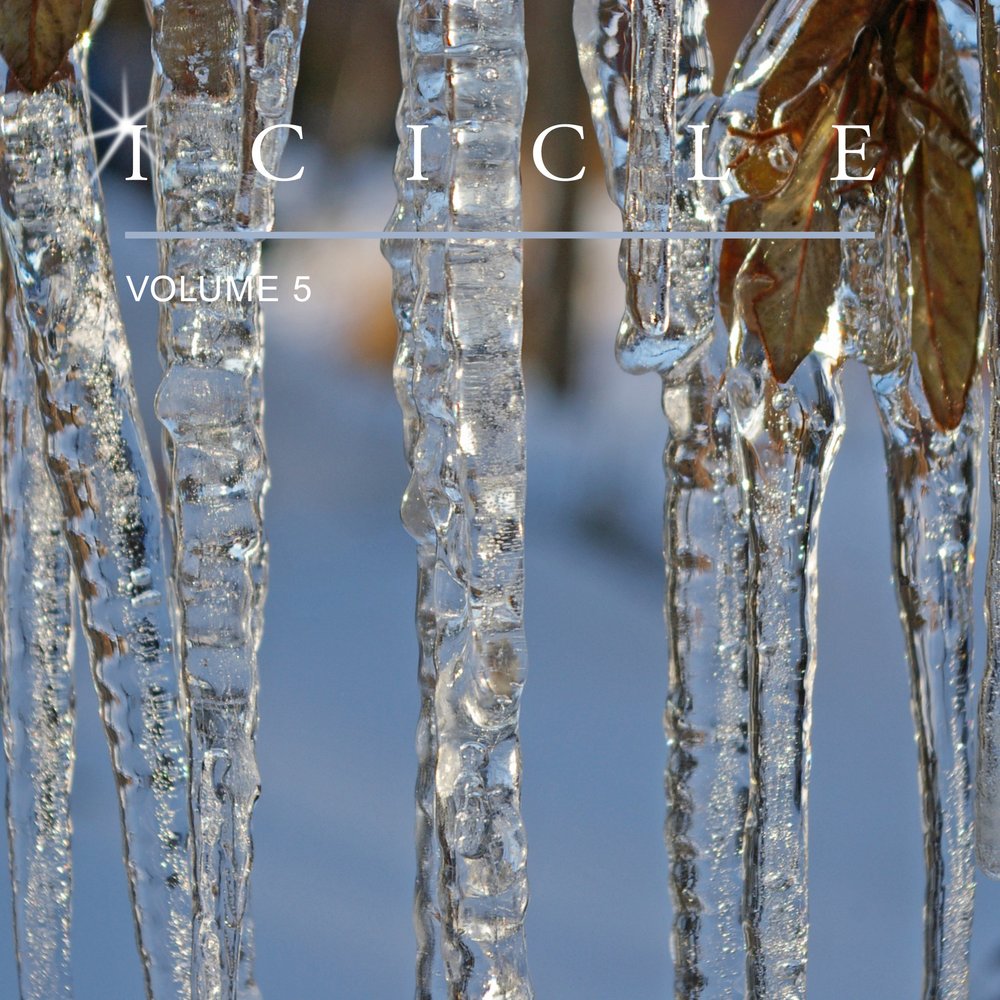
[210,403]
[932,503]
[670,328]
[37,690]
[988,759]
[458,378]
[55,237]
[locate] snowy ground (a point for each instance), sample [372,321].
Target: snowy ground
[334,862]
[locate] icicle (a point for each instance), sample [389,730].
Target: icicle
[789,433]
[37,689]
[424,431]
[932,501]
[54,231]
[706,718]
[604,46]
[932,476]
[671,81]
[458,376]
[705,537]
[207,115]
[988,760]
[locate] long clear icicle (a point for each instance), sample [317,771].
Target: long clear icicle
[988,759]
[932,494]
[933,483]
[932,476]
[670,328]
[37,699]
[424,436]
[789,434]
[706,717]
[224,71]
[458,377]
[53,227]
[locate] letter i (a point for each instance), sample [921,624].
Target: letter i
[418,152]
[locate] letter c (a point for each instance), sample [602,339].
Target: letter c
[258,145]
[540,163]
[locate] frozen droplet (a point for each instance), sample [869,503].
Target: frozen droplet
[781,154]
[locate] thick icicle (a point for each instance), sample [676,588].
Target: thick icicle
[789,434]
[988,760]
[932,475]
[37,689]
[705,538]
[932,502]
[458,376]
[224,72]
[53,226]
[671,80]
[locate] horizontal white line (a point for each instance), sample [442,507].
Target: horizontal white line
[454,236]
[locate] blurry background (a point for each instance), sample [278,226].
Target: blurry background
[334,868]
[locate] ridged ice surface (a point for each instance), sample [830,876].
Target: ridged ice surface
[788,437]
[37,687]
[670,328]
[988,761]
[785,437]
[459,382]
[223,72]
[932,478]
[933,483]
[54,233]
[705,543]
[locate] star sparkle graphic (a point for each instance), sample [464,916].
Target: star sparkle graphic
[126,126]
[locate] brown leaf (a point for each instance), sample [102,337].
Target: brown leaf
[939,202]
[37,35]
[890,64]
[942,223]
[743,216]
[812,64]
[785,287]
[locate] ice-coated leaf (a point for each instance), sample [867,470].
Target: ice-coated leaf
[941,213]
[785,287]
[890,65]
[942,219]
[36,36]
[797,89]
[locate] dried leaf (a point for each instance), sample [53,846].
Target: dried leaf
[939,202]
[942,223]
[37,35]
[797,89]
[889,64]
[785,288]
